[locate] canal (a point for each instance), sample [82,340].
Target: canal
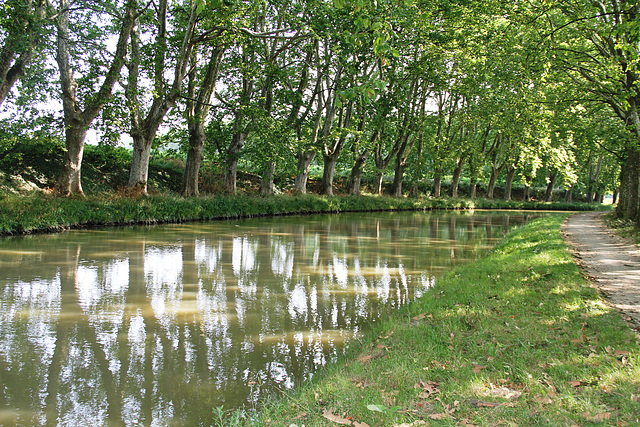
[160,325]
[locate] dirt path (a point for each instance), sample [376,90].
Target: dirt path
[611,262]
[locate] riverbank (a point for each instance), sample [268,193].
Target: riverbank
[517,338]
[38,212]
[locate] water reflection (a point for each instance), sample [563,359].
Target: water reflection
[159,325]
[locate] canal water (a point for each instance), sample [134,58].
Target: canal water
[160,325]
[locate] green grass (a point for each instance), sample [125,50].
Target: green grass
[36,212]
[517,338]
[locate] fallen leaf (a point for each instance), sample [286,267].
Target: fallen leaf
[428,388]
[335,418]
[381,346]
[364,358]
[504,392]
[300,415]
[327,414]
[621,353]
[438,416]
[481,404]
[545,400]
[413,424]
[466,423]
[575,383]
[420,316]
[598,417]
[477,368]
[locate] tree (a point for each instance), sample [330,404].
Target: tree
[597,46]
[164,98]
[77,119]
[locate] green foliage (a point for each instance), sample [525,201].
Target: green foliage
[35,157]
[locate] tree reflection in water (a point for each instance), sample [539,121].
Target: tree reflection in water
[158,325]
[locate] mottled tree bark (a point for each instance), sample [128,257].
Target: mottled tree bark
[455,180]
[511,174]
[355,179]
[304,162]
[266,184]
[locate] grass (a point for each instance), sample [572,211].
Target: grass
[517,338]
[37,212]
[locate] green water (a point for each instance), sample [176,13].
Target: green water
[159,325]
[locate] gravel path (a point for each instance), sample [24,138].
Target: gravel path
[611,262]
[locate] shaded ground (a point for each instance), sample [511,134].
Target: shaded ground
[612,263]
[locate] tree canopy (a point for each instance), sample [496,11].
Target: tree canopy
[483,96]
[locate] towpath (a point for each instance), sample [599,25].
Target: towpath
[610,261]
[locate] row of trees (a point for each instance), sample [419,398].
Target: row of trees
[424,89]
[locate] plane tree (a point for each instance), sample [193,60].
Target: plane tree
[87,81]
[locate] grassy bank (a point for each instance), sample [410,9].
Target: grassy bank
[37,212]
[517,338]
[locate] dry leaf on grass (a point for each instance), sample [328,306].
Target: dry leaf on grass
[598,417]
[478,368]
[327,414]
[482,404]
[428,388]
[504,392]
[545,400]
[575,383]
[300,415]
[366,358]
[413,424]
[441,416]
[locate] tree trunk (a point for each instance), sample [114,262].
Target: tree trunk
[492,181]
[552,183]
[266,184]
[473,177]
[437,183]
[511,174]
[328,174]
[233,153]
[569,196]
[629,186]
[69,181]
[355,179]
[527,193]
[197,111]
[455,181]
[378,181]
[396,189]
[139,172]
[473,188]
[598,197]
[304,162]
[194,160]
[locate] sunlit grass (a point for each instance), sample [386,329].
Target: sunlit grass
[517,338]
